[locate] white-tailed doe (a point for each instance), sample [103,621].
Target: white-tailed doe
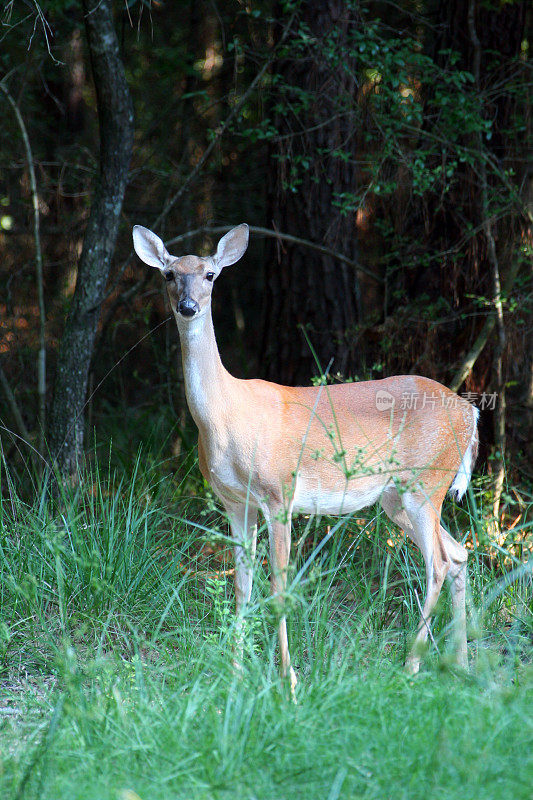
[403,441]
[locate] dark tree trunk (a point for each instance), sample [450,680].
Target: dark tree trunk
[305,288]
[115,115]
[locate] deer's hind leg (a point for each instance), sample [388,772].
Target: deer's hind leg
[420,520]
[457,577]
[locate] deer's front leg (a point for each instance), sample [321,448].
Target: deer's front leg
[279,529]
[243,524]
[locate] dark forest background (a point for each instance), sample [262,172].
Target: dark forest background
[379,152]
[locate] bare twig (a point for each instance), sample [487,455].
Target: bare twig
[274,234]
[41,362]
[284,237]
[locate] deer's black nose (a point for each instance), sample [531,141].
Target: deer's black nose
[187,307]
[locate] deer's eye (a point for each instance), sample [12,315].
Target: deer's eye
[169,276]
[210,276]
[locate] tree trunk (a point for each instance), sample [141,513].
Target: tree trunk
[313,164]
[116,139]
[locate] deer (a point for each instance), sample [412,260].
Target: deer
[403,441]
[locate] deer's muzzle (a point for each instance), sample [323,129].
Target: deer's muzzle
[187,307]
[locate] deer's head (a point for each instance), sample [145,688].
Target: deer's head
[190,278]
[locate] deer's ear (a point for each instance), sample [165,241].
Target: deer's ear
[232,246]
[150,248]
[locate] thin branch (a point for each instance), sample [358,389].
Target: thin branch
[285,237]
[268,232]
[41,361]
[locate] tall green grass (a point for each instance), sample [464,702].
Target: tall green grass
[116,624]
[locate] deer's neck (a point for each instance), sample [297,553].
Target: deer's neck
[205,378]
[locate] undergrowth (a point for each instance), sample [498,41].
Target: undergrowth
[116,670]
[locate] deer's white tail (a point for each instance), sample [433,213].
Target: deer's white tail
[462,479]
